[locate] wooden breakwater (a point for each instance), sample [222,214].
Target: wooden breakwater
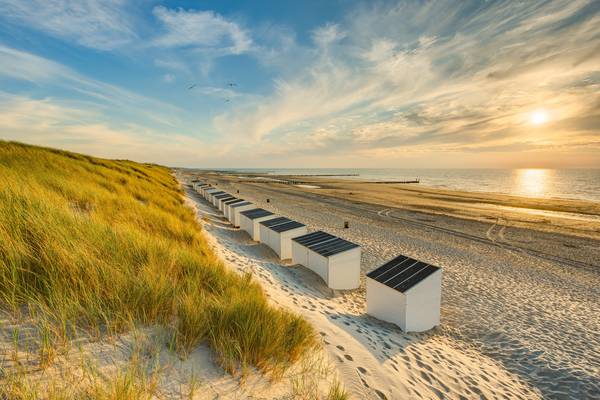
[299,182]
[392,182]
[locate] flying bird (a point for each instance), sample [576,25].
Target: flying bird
[193,86]
[231,84]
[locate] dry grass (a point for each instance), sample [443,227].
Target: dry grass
[100,245]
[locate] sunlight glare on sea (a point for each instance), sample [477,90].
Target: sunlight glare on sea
[532,182]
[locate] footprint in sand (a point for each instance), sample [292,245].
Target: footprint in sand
[380,394]
[340,347]
[362,370]
[348,357]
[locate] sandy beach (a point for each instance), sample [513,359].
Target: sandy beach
[520,311]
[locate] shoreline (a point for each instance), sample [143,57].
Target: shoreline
[423,182]
[572,217]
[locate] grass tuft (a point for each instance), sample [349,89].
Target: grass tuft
[101,245]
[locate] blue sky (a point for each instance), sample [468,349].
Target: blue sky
[316,83]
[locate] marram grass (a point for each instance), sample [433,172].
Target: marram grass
[100,245]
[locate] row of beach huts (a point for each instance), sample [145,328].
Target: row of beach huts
[403,291]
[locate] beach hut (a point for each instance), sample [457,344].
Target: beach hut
[204,188]
[250,220]
[216,196]
[406,292]
[227,203]
[277,233]
[235,211]
[199,189]
[208,194]
[196,185]
[222,200]
[334,259]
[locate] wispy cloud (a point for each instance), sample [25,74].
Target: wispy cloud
[63,125]
[438,76]
[44,73]
[201,31]
[102,25]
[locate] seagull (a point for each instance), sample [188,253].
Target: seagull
[231,84]
[193,86]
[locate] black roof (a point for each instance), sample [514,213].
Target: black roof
[256,213]
[216,193]
[312,238]
[324,243]
[243,203]
[220,195]
[233,201]
[288,226]
[402,273]
[228,197]
[275,221]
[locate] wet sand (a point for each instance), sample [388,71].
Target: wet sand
[515,293]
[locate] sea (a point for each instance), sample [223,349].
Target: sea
[581,184]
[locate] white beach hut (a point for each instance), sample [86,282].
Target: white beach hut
[334,259]
[208,194]
[235,211]
[277,233]
[216,197]
[227,203]
[221,201]
[406,292]
[199,189]
[250,221]
[204,188]
[196,185]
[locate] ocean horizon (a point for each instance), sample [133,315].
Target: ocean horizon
[578,184]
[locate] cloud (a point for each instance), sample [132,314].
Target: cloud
[169,78]
[101,25]
[67,126]
[434,77]
[201,31]
[47,74]
[328,34]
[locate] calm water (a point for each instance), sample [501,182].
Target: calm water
[546,183]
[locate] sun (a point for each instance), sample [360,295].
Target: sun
[539,117]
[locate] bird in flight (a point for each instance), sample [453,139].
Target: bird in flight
[191,87]
[231,84]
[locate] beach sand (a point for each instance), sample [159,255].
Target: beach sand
[520,305]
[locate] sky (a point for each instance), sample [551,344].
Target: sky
[306,84]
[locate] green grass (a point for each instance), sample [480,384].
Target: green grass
[101,245]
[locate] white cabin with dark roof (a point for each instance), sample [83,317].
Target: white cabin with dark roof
[277,233]
[335,260]
[229,202]
[222,200]
[210,192]
[406,292]
[236,210]
[250,221]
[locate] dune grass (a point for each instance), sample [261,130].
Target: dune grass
[101,245]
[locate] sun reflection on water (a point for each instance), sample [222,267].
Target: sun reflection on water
[532,182]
